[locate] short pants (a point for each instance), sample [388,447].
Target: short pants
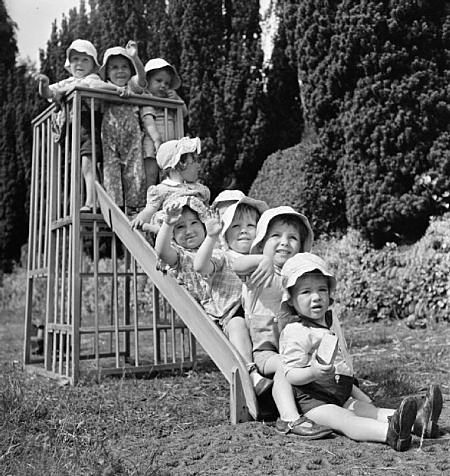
[335,389]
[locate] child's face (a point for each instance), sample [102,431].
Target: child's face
[192,168]
[189,231]
[118,70]
[310,296]
[282,241]
[241,232]
[159,83]
[81,64]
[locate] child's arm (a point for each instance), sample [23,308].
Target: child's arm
[163,246]
[44,86]
[305,375]
[202,260]
[144,216]
[259,267]
[172,94]
[139,78]
[148,121]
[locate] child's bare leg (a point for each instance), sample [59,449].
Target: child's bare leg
[347,422]
[237,333]
[368,410]
[151,171]
[282,393]
[86,170]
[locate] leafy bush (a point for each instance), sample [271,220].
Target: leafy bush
[303,177]
[395,282]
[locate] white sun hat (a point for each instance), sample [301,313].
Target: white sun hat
[228,216]
[159,63]
[301,264]
[170,152]
[82,46]
[228,196]
[115,51]
[269,215]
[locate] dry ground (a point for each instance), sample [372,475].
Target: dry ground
[177,424]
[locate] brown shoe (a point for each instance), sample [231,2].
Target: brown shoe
[428,414]
[400,425]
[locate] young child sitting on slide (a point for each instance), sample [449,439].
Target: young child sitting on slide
[280,234]
[325,391]
[238,229]
[123,164]
[159,123]
[181,234]
[179,160]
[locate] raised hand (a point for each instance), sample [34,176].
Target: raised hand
[132,48]
[173,213]
[263,274]
[213,223]
[42,79]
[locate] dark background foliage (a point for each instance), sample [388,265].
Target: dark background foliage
[353,105]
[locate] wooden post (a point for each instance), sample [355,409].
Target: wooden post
[238,408]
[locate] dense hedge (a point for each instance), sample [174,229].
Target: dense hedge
[375,79]
[396,282]
[304,177]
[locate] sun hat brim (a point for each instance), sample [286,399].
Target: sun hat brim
[228,216]
[115,51]
[82,46]
[159,63]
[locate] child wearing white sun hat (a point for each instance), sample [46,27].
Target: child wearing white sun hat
[180,160]
[237,227]
[123,164]
[325,390]
[159,123]
[281,232]
[82,63]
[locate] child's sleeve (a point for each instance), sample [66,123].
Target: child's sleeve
[295,347]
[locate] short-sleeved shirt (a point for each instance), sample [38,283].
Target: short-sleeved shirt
[261,306]
[183,270]
[226,287]
[300,339]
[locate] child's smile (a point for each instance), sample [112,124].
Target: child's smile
[189,231]
[119,71]
[281,243]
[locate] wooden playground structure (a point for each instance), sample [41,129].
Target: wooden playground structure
[93,282]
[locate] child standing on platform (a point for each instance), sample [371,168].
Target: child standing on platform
[238,228]
[179,159]
[280,234]
[82,64]
[123,165]
[325,391]
[159,127]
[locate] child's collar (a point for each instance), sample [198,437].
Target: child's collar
[311,323]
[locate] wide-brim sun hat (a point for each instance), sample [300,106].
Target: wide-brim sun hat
[303,263]
[82,46]
[269,215]
[170,152]
[228,216]
[159,63]
[115,51]
[191,201]
[228,196]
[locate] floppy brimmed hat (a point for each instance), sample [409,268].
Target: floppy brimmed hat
[303,263]
[269,215]
[82,46]
[170,152]
[191,201]
[159,63]
[115,51]
[229,213]
[228,196]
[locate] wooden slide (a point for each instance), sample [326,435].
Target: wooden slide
[243,402]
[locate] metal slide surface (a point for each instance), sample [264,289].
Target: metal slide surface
[207,333]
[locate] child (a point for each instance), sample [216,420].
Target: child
[181,234]
[82,63]
[238,227]
[179,159]
[280,234]
[123,165]
[159,127]
[325,392]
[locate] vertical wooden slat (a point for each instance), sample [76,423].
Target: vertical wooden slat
[115,301]
[126,300]
[135,313]
[41,195]
[96,300]
[172,335]
[155,318]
